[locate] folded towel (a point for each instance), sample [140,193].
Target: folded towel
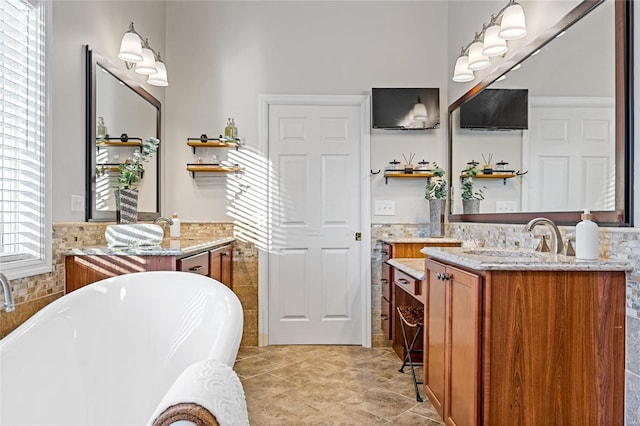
[203,389]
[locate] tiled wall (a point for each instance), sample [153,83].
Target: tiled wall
[33,293]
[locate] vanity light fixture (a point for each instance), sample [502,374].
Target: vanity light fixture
[477,60]
[491,41]
[462,73]
[419,111]
[138,55]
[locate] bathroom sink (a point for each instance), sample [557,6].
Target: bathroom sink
[134,235]
[491,252]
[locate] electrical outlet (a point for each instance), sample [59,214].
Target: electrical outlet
[77,203]
[505,206]
[384,208]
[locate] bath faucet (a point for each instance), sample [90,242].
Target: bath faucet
[163,219]
[9,305]
[556,238]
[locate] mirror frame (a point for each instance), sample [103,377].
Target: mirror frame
[93,59]
[623,213]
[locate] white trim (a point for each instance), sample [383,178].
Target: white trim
[265,101]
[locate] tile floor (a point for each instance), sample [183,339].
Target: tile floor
[330,385]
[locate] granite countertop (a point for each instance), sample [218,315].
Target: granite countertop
[410,266]
[497,259]
[423,240]
[168,247]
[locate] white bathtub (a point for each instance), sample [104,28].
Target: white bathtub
[107,353]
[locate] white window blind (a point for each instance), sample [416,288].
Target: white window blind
[25,224]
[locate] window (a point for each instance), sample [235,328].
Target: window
[25,213]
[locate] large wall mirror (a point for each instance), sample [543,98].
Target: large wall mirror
[130,115]
[571,147]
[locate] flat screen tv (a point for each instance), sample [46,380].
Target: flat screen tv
[496,109]
[393,108]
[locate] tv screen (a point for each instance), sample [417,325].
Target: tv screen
[499,109]
[394,108]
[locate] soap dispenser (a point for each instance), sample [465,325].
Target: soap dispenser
[587,238]
[174,228]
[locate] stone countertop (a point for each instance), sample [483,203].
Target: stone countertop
[422,240]
[410,266]
[168,247]
[497,259]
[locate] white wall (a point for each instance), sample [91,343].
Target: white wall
[222,55]
[100,25]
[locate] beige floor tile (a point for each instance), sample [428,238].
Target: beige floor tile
[266,386]
[409,418]
[426,409]
[253,366]
[382,403]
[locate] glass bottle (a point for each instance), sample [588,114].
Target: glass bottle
[234,129]
[228,131]
[101,129]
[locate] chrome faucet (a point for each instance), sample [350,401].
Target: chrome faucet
[556,238]
[9,305]
[163,219]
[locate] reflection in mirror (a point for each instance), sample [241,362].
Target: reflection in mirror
[119,117]
[568,157]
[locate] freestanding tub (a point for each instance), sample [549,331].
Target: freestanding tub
[107,353]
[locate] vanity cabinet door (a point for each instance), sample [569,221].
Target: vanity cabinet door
[197,264]
[434,336]
[463,347]
[221,264]
[452,343]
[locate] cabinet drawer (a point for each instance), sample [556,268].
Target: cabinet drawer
[385,318]
[406,282]
[198,264]
[385,281]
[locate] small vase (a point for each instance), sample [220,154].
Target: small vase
[470,206]
[126,205]
[436,217]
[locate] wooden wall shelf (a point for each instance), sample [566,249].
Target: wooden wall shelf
[212,143]
[212,168]
[496,175]
[401,175]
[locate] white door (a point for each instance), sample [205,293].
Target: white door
[315,292]
[572,149]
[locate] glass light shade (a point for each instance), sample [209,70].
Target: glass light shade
[493,44]
[461,72]
[513,24]
[477,61]
[130,48]
[148,64]
[159,78]
[420,112]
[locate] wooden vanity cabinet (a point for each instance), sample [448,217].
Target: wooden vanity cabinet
[525,347]
[221,264]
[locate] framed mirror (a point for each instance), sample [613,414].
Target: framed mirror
[565,143]
[120,114]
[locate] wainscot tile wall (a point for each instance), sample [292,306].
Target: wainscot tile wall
[33,293]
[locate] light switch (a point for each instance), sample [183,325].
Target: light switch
[384,208]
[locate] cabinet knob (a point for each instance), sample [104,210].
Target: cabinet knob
[384,281]
[403,281]
[446,277]
[196,268]
[224,253]
[439,275]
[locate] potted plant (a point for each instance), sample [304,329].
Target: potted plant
[129,175]
[436,193]
[470,199]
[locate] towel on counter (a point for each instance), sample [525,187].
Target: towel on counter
[211,385]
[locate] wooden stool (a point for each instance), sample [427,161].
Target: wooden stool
[411,317]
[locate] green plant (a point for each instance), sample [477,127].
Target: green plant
[436,189]
[467,185]
[129,172]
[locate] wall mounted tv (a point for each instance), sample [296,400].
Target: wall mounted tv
[496,109]
[393,108]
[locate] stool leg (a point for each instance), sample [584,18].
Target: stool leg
[408,357]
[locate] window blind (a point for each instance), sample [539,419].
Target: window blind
[24,221]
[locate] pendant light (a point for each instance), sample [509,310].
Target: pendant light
[513,24]
[130,46]
[419,111]
[461,72]
[494,45]
[477,61]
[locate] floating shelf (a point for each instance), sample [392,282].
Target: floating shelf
[504,175]
[211,168]
[117,142]
[212,143]
[400,174]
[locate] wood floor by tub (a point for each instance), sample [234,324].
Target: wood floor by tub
[329,385]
